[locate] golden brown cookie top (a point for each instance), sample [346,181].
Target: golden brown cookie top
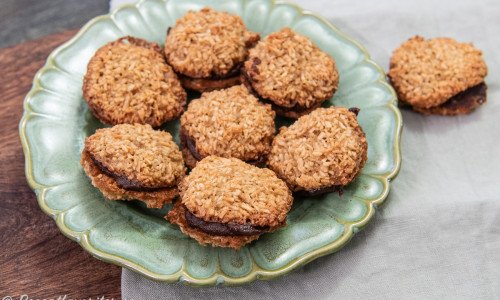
[288,69]
[230,123]
[208,43]
[138,153]
[229,190]
[128,81]
[427,73]
[323,149]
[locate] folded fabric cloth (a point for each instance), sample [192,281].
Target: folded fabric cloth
[438,235]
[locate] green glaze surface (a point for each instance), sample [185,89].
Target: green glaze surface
[56,121]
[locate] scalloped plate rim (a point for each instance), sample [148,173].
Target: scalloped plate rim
[82,238]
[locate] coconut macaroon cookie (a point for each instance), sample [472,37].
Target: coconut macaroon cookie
[439,76]
[128,81]
[290,72]
[128,162]
[227,123]
[206,48]
[226,202]
[320,152]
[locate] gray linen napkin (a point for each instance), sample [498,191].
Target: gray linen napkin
[438,235]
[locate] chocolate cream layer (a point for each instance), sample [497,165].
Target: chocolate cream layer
[470,98]
[214,81]
[223,229]
[124,182]
[317,192]
[462,102]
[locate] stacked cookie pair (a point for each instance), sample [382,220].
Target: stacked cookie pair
[439,76]
[243,176]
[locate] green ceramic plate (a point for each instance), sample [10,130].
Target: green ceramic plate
[56,121]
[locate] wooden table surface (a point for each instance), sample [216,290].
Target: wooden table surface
[24,20]
[35,258]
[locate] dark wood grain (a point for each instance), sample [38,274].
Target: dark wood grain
[22,20]
[35,258]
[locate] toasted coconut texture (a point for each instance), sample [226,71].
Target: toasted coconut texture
[128,81]
[460,104]
[208,44]
[427,73]
[229,123]
[128,161]
[230,191]
[324,149]
[290,71]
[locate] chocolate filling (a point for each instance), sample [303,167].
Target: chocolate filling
[235,71]
[255,62]
[189,143]
[316,192]
[247,82]
[296,108]
[461,103]
[224,229]
[207,85]
[354,110]
[123,181]
[473,96]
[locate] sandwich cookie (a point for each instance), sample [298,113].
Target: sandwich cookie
[321,152]
[439,76]
[207,48]
[227,123]
[134,162]
[226,202]
[128,81]
[290,72]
